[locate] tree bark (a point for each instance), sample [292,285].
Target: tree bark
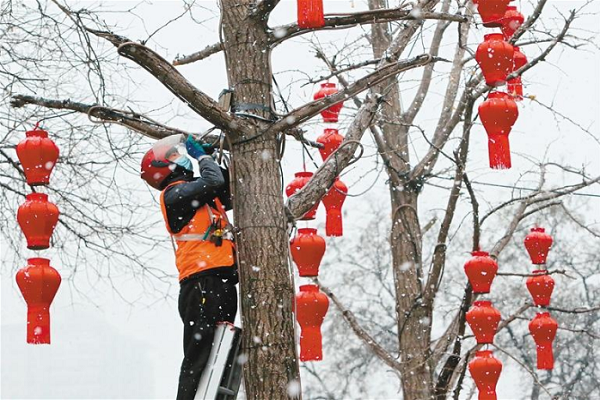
[262,242]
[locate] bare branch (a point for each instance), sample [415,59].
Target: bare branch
[345,21]
[199,55]
[367,339]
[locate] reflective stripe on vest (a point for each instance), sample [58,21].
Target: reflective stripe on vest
[194,254]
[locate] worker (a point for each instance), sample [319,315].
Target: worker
[195,217]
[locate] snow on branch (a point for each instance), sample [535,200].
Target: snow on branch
[344,21]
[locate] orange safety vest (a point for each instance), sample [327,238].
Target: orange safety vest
[195,253]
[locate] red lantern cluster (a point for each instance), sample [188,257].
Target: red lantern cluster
[540,285]
[483,319]
[307,248]
[38,217]
[310,14]
[498,59]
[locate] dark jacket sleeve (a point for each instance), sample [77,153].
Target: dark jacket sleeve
[182,200]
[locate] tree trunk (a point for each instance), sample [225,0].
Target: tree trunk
[262,242]
[405,241]
[414,319]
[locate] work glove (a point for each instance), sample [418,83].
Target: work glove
[196,149]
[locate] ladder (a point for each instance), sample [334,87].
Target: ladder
[223,373]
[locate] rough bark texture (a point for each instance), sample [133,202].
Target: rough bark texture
[265,282]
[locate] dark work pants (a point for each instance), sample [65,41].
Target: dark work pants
[203,302]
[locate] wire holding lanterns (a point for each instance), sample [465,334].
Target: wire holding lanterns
[37,217]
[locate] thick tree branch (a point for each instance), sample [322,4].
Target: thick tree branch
[129,119]
[199,55]
[361,333]
[309,110]
[345,21]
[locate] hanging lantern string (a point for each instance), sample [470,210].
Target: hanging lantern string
[38,123]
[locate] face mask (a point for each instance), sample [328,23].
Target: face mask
[184,162]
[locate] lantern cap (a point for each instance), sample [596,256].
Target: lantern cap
[540,272]
[330,131]
[538,229]
[307,231]
[38,261]
[497,95]
[37,196]
[309,288]
[484,353]
[480,303]
[493,36]
[543,314]
[303,174]
[328,85]
[37,132]
[480,253]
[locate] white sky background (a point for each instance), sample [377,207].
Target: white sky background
[106,349]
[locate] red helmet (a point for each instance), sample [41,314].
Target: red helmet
[157,163]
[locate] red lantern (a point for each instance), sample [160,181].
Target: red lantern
[37,154]
[333,201]
[495,57]
[511,21]
[311,307]
[492,12]
[543,329]
[37,218]
[310,14]
[481,271]
[538,244]
[331,140]
[38,283]
[498,114]
[332,113]
[515,85]
[485,370]
[301,179]
[540,286]
[307,250]
[483,319]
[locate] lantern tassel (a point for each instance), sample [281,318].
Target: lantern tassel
[311,344]
[38,325]
[334,225]
[499,151]
[545,356]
